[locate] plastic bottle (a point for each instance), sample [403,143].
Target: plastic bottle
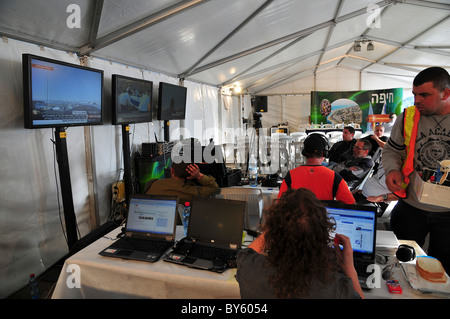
[253,171]
[186,213]
[34,288]
[438,175]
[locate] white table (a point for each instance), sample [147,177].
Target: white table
[408,292]
[95,276]
[103,277]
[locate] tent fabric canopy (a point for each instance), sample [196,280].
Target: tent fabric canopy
[281,48]
[259,44]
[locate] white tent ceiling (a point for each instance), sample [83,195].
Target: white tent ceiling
[260,44]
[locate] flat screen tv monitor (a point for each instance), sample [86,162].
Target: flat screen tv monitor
[59,94]
[171,102]
[132,100]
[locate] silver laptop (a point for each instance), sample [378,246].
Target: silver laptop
[214,235]
[149,231]
[359,223]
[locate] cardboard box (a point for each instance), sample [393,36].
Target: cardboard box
[431,193]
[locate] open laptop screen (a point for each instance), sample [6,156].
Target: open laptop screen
[357,224]
[217,221]
[151,215]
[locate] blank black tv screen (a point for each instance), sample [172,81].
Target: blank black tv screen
[132,100]
[171,102]
[59,94]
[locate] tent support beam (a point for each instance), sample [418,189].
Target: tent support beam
[263,60]
[262,47]
[330,33]
[289,37]
[95,21]
[140,25]
[288,63]
[410,40]
[246,21]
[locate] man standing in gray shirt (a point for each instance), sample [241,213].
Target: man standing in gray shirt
[419,140]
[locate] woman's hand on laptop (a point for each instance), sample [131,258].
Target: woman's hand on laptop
[345,260]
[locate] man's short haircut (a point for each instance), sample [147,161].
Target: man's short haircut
[437,75]
[367,144]
[351,129]
[180,170]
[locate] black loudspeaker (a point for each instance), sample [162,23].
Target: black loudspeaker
[261,104]
[405,253]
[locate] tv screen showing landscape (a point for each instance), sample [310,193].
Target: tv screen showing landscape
[59,94]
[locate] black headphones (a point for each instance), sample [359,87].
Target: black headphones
[316,141]
[405,253]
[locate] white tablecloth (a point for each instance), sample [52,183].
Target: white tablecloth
[89,275]
[103,277]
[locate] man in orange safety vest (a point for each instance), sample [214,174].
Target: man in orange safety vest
[419,140]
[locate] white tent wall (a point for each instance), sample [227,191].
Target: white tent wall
[31,213]
[31,234]
[202,120]
[283,49]
[293,108]
[375,81]
[231,111]
[275,112]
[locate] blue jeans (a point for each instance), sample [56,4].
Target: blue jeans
[410,223]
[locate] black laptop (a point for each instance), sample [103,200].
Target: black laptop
[214,235]
[149,231]
[359,223]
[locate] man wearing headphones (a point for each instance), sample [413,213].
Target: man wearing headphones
[322,181]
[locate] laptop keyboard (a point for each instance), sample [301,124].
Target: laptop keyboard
[361,267]
[205,252]
[147,245]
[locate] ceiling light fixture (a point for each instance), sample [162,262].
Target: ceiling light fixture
[357,45]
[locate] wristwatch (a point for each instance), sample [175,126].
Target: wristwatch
[385,196]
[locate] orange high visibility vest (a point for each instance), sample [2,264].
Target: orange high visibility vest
[410,127]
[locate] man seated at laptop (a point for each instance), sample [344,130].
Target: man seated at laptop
[296,260]
[356,168]
[181,183]
[325,184]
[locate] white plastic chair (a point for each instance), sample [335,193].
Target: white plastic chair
[297,136]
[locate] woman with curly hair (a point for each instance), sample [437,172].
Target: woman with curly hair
[295,259]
